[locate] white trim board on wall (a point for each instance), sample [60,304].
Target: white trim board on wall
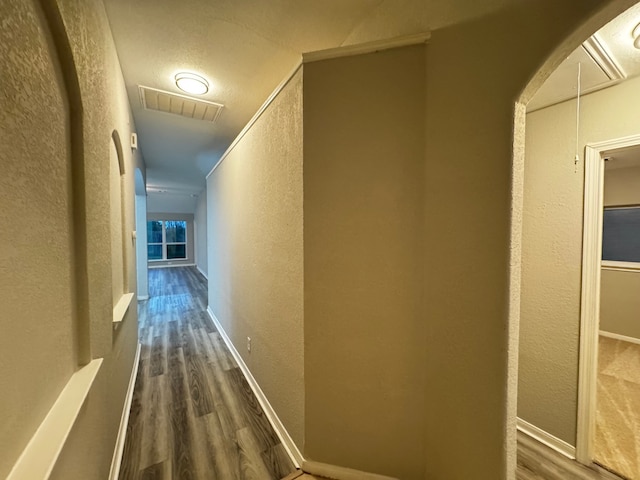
[544,461]
[120,310]
[621,266]
[257,115]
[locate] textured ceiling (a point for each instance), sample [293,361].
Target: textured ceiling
[245,48]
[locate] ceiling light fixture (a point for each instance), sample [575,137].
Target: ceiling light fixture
[635,33]
[191,83]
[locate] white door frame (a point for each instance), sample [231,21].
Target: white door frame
[590,298]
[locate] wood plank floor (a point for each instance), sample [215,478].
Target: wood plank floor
[193,415]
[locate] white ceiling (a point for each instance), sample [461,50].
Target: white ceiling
[606,59]
[243,47]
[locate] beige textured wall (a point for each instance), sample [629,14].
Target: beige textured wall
[115,194]
[57,313]
[254,209]
[166,202]
[475,73]
[552,250]
[619,300]
[392,18]
[38,341]
[363,313]
[621,185]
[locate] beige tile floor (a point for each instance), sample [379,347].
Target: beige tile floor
[617,445]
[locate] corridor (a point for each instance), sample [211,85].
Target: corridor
[193,415]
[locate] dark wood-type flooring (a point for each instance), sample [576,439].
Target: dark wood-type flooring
[193,415]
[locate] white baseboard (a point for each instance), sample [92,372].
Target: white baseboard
[124,420]
[339,473]
[203,274]
[173,266]
[142,298]
[547,439]
[281,431]
[617,336]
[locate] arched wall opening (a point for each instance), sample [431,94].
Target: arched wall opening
[544,372]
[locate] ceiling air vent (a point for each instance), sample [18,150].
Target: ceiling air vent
[167,102]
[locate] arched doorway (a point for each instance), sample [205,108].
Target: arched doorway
[549,180]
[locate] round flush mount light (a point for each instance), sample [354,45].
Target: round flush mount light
[191,83]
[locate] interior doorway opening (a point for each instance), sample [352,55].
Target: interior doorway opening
[609,414]
[585,102]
